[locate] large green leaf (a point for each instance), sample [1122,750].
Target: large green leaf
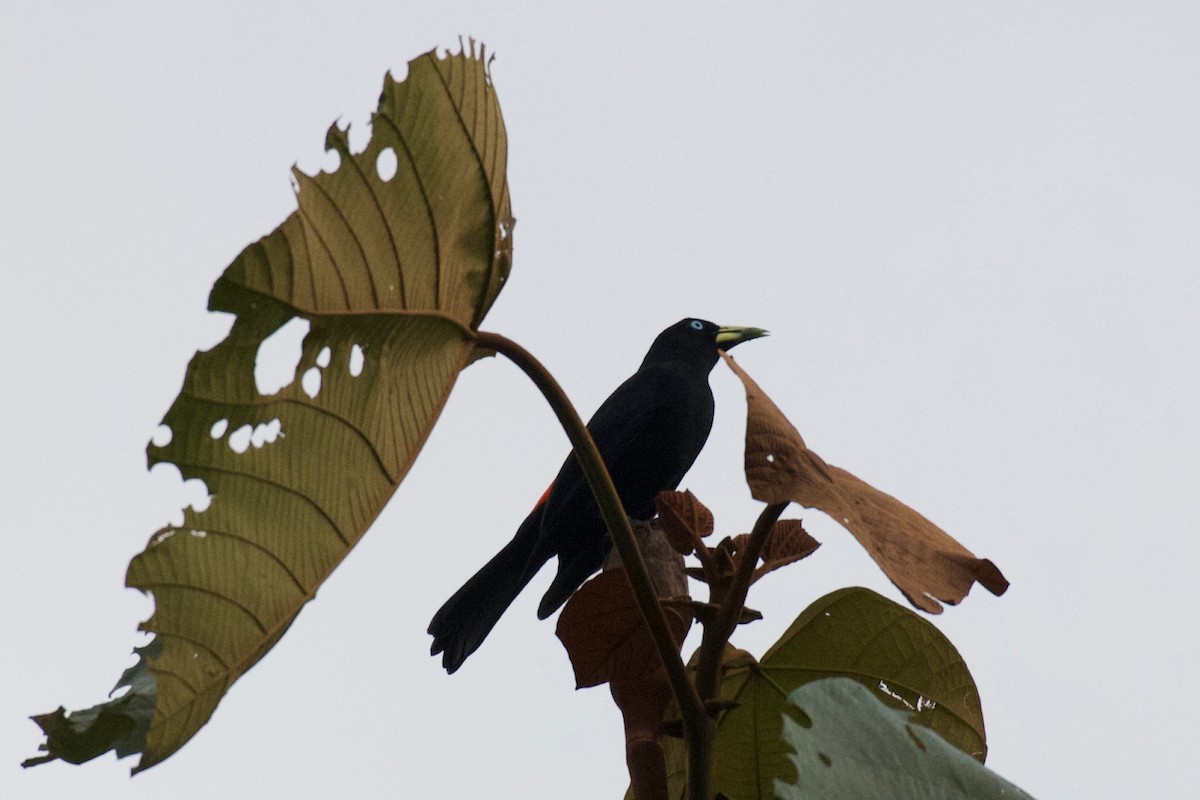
[901,656]
[850,746]
[898,655]
[393,269]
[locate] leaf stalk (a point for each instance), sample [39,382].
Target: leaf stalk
[698,727]
[708,663]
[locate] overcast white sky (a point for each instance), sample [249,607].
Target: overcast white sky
[972,228]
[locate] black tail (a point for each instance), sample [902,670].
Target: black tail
[570,576]
[465,620]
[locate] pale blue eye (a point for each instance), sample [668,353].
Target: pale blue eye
[697,325]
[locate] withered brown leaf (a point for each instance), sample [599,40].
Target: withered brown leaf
[924,562]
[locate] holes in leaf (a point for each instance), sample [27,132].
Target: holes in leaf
[311,381]
[195,492]
[266,433]
[386,164]
[356,361]
[239,440]
[278,356]
[324,356]
[247,436]
[162,436]
[176,495]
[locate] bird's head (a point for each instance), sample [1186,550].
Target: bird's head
[699,339]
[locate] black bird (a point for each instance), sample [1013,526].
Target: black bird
[649,432]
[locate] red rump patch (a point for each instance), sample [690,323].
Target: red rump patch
[545,496]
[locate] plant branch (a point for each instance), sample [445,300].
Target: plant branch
[694,717]
[704,555]
[712,644]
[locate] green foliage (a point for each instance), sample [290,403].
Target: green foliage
[895,654]
[900,656]
[855,633]
[851,746]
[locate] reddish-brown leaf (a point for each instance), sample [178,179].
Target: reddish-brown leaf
[605,635]
[788,543]
[924,562]
[684,520]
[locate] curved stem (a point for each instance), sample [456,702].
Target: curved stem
[695,719]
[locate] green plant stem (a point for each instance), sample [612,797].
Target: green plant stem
[708,663]
[697,724]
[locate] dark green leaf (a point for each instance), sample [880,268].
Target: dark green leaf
[120,724]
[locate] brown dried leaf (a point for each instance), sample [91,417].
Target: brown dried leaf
[605,635]
[924,562]
[684,520]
